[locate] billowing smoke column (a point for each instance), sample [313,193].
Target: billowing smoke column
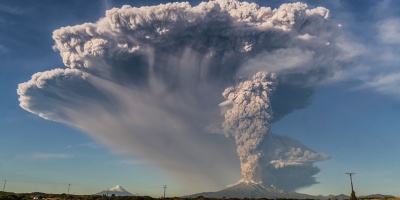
[147,82]
[249,120]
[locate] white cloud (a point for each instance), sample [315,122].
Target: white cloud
[306,37]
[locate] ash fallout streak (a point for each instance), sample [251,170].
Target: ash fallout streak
[147,82]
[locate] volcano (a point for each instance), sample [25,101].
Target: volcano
[117,191]
[251,190]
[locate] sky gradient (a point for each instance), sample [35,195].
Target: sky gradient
[353,116]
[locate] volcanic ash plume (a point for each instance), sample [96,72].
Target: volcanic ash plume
[147,81]
[248,120]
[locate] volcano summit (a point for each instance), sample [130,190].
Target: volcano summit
[252,190]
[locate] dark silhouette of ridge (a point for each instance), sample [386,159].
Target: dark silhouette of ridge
[251,190]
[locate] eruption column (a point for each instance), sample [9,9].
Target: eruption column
[248,120]
[145,81]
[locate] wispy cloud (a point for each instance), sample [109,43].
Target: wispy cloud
[389,30]
[379,173]
[3,49]
[11,10]
[134,162]
[92,145]
[380,62]
[387,84]
[2,21]
[51,156]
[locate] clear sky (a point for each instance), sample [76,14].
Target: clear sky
[354,117]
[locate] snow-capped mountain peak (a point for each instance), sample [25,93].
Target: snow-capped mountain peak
[118,188]
[117,191]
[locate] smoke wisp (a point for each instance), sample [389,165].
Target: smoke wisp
[147,82]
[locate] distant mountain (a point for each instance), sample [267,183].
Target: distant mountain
[117,191]
[338,197]
[377,196]
[252,190]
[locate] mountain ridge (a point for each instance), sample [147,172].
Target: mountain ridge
[251,190]
[254,190]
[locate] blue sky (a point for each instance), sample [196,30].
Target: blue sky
[354,118]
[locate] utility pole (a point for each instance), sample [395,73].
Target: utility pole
[69,185]
[4,186]
[353,194]
[165,188]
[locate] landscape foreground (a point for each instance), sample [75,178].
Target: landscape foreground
[44,196]
[242,190]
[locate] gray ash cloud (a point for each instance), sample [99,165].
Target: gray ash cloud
[147,82]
